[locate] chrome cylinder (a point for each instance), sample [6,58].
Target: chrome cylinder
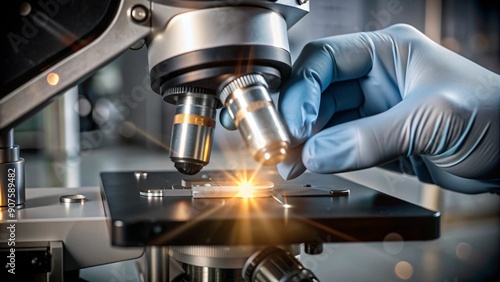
[194,124]
[12,185]
[217,27]
[249,104]
[158,264]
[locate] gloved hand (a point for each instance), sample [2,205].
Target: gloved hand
[361,100]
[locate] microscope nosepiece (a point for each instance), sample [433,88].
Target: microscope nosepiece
[249,104]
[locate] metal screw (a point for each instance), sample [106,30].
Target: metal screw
[302,1]
[313,248]
[139,13]
[138,45]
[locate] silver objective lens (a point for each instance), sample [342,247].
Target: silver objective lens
[193,128]
[249,104]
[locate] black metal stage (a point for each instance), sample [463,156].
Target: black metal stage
[311,208]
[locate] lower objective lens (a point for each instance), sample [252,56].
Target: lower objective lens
[193,128]
[249,104]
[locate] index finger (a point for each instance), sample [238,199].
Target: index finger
[321,63]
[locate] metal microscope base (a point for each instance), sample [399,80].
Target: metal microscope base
[50,239]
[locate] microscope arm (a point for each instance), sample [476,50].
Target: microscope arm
[125,29]
[122,32]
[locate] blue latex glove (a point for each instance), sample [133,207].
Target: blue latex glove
[361,100]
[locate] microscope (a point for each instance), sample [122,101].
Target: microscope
[203,55]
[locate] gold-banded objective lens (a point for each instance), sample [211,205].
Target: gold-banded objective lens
[193,127]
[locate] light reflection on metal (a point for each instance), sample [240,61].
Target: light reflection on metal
[279,198]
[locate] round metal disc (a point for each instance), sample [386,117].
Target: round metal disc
[77,198]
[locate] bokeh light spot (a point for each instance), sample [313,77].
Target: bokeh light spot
[83,107]
[463,251]
[393,243]
[128,129]
[404,270]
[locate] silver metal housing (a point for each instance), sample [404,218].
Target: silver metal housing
[217,27]
[81,227]
[204,48]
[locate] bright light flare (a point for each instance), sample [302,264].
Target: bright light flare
[246,189]
[246,184]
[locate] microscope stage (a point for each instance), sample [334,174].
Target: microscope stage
[311,208]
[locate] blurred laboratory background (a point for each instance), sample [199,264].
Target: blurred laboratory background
[114,121]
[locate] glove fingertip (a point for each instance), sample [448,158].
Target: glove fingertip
[226,120]
[292,166]
[290,171]
[330,151]
[299,108]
